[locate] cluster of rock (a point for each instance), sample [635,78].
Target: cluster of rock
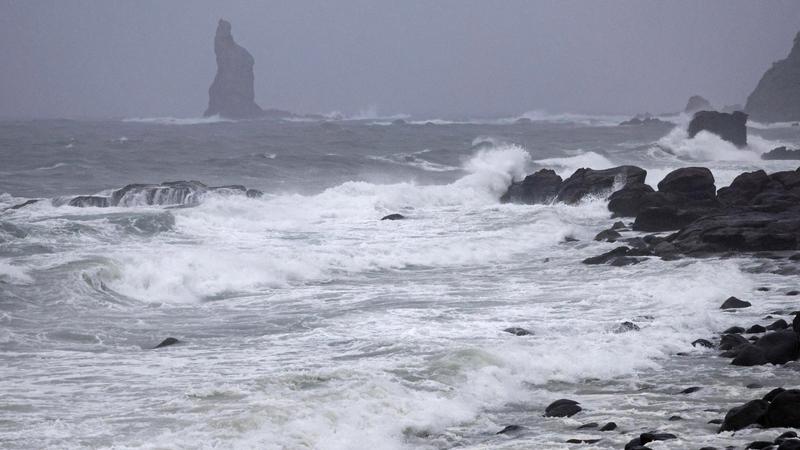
[777,96]
[644,119]
[170,193]
[757,212]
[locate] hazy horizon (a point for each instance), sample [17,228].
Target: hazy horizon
[89,59]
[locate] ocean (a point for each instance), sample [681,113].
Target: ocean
[307,322]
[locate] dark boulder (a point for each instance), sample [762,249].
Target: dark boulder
[628,201]
[731,127]
[562,408]
[663,218]
[84,201]
[779,324]
[731,341]
[394,216]
[608,236]
[743,416]
[589,425]
[538,188]
[770,396]
[511,429]
[625,327]
[586,182]
[781,153]
[784,410]
[756,329]
[690,184]
[607,256]
[734,330]
[743,188]
[703,343]
[610,426]
[733,303]
[690,390]
[749,355]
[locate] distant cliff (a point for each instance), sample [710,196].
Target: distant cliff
[777,96]
[232,94]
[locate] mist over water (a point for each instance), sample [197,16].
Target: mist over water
[309,323]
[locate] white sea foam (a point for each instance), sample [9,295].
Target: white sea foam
[565,166]
[14,274]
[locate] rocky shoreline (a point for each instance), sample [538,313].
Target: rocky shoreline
[687,216]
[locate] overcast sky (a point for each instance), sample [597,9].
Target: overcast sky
[427,58]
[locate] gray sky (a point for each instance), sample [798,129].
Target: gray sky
[104,58]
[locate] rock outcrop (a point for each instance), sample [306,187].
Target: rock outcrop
[538,188]
[168,193]
[777,96]
[545,186]
[697,103]
[731,127]
[782,153]
[232,93]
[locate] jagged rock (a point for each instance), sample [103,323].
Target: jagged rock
[776,98]
[595,182]
[697,103]
[84,201]
[517,331]
[733,302]
[232,93]
[168,193]
[731,127]
[538,188]
[781,153]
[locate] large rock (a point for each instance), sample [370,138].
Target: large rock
[743,188]
[731,127]
[697,103]
[784,410]
[232,94]
[691,184]
[540,187]
[628,201]
[742,416]
[168,193]
[777,96]
[586,182]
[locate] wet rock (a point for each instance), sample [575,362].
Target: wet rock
[583,441]
[663,218]
[625,327]
[253,193]
[675,418]
[749,355]
[731,127]
[784,410]
[792,293]
[618,225]
[743,416]
[562,408]
[586,182]
[763,289]
[167,342]
[731,341]
[86,201]
[628,201]
[756,329]
[538,188]
[770,396]
[744,188]
[689,184]
[608,236]
[779,324]
[511,429]
[620,261]
[689,390]
[394,216]
[758,445]
[23,204]
[733,303]
[715,421]
[778,347]
[610,426]
[754,386]
[734,330]
[608,256]
[517,331]
[589,425]
[703,343]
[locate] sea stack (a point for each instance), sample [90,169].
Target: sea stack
[231,95]
[697,103]
[777,96]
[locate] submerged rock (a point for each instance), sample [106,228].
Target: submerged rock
[776,98]
[167,342]
[232,93]
[393,217]
[517,331]
[731,127]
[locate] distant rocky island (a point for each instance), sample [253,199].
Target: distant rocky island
[232,94]
[777,96]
